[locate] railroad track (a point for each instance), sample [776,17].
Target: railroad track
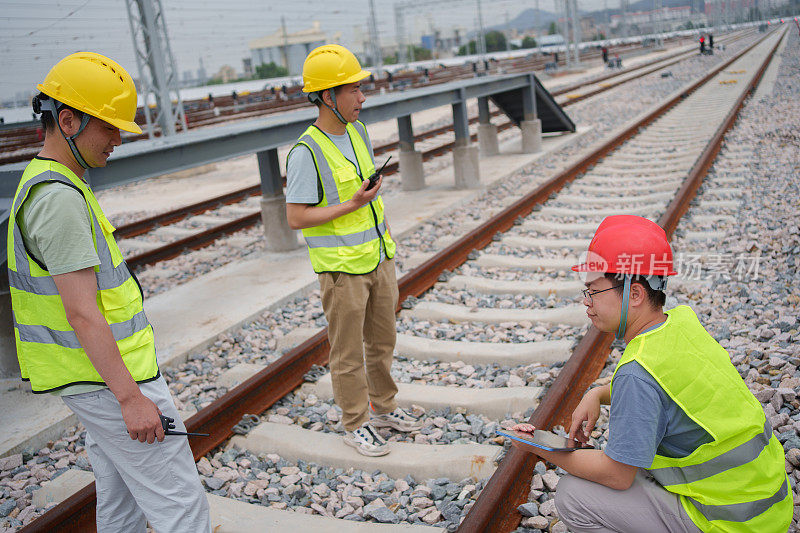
[205,229]
[21,144]
[545,229]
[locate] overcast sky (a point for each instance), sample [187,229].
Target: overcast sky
[35,34]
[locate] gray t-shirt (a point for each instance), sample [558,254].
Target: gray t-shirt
[57,230]
[302,183]
[645,420]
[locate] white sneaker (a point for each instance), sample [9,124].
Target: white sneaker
[397,419]
[366,441]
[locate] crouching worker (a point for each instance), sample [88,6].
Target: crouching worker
[689,446]
[80,326]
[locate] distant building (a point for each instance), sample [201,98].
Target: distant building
[226,73]
[288,50]
[202,77]
[665,19]
[550,40]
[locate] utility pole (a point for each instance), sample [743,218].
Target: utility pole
[157,71]
[655,19]
[376,44]
[623,16]
[481,36]
[400,31]
[285,47]
[508,33]
[576,29]
[563,10]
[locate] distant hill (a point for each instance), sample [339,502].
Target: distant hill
[528,19]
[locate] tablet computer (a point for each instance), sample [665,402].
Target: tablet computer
[544,440]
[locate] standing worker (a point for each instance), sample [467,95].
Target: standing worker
[350,247]
[604,51]
[702,44]
[711,43]
[80,327]
[689,446]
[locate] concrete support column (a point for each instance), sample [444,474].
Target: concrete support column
[277,233]
[9,366]
[487,132]
[410,160]
[531,135]
[465,155]
[530,126]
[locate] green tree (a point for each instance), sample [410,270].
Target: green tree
[553,29]
[419,53]
[468,49]
[528,42]
[495,41]
[270,70]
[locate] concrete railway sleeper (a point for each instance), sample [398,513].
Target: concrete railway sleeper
[294,452]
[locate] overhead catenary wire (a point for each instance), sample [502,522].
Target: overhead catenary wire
[39,33]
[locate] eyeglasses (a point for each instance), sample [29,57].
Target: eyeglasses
[588,293]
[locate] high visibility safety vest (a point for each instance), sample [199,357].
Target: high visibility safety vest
[49,352]
[350,243]
[736,482]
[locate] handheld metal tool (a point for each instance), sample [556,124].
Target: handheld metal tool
[168,424]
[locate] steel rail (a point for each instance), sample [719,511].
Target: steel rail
[496,507]
[262,390]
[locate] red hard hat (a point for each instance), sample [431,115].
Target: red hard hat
[628,244]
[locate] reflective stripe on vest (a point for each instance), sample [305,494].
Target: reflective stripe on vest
[353,239]
[68,339]
[737,481]
[742,454]
[48,349]
[745,511]
[351,243]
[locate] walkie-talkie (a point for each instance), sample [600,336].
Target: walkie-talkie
[375,175]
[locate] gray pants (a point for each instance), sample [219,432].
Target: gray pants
[138,482]
[585,506]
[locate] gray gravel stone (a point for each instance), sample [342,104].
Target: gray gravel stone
[528,509]
[383,515]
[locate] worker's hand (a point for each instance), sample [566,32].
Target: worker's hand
[588,411]
[363,196]
[523,427]
[142,420]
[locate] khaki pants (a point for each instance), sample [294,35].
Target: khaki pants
[586,506]
[362,332]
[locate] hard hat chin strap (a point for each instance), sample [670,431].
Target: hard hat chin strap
[332,92]
[623,319]
[51,105]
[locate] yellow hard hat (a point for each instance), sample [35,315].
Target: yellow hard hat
[330,65]
[96,85]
